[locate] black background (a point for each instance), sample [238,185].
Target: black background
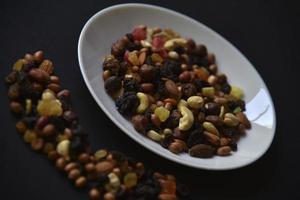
[267,32]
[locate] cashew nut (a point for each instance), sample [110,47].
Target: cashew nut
[170,44]
[144,102]
[187,119]
[181,103]
[195,102]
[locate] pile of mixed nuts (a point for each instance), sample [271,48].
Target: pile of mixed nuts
[51,127]
[171,90]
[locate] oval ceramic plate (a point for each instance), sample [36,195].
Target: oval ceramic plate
[108,25]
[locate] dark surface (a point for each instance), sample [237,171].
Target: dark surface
[265,31]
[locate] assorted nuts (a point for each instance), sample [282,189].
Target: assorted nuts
[172,91]
[49,125]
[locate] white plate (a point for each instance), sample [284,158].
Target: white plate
[108,25]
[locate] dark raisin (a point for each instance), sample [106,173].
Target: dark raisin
[127,104]
[70,116]
[161,88]
[119,47]
[238,103]
[121,194]
[130,160]
[147,73]
[77,146]
[112,85]
[188,90]
[173,119]
[222,79]
[182,191]
[149,61]
[11,78]
[131,85]
[191,44]
[148,188]
[103,179]
[30,121]
[212,108]
[199,84]
[197,60]
[123,68]
[171,69]
[14,91]
[58,122]
[230,132]
[200,50]
[226,88]
[167,140]
[197,126]
[234,146]
[118,156]
[179,50]
[78,130]
[195,137]
[131,46]
[130,37]
[112,65]
[181,135]
[28,66]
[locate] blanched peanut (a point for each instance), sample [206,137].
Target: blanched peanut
[195,102]
[63,147]
[231,120]
[210,128]
[153,135]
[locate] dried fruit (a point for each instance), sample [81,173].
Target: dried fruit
[188,90]
[128,103]
[162,113]
[49,105]
[112,85]
[139,33]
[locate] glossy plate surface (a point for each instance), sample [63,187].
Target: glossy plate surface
[106,26]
